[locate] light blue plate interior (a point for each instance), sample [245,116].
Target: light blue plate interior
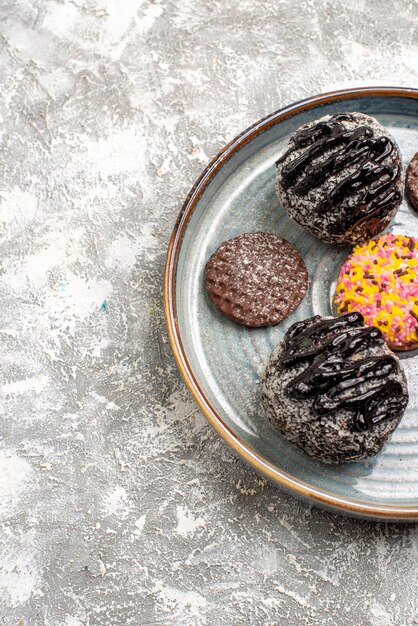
[228,360]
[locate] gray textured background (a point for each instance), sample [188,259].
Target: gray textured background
[118,504]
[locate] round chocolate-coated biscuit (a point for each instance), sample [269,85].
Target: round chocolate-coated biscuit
[256,279]
[412,181]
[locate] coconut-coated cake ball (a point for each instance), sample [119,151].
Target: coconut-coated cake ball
[334,389]
[341,178]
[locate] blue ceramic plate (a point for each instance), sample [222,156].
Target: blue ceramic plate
[222,362]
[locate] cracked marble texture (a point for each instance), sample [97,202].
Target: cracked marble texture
[119,505]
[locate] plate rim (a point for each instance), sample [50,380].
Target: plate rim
[299,488]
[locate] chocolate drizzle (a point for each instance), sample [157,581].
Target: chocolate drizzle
[374,182]
[334,380]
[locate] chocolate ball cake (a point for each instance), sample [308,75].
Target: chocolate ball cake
[412,181]
[341,178]
[334,389]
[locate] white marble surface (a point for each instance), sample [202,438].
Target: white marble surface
[119,505]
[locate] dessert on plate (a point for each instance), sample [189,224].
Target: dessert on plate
[334,389]
[256,279]
[380,280]
[341,178]
[332,386]
[412,181]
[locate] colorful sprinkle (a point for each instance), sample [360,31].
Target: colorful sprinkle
[388,296]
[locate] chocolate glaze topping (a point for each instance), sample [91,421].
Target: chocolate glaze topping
[336,381]
[346,147]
